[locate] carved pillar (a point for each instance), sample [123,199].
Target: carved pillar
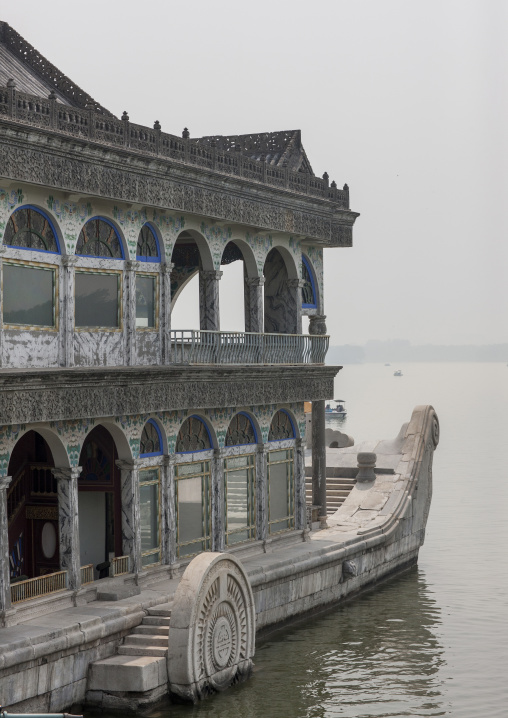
[217,490]
[2,250]
[261,493]
[165,312]
[317,327]
[254,307]
[131,268]
[209,315]
[67,309]
[5,581]
[131,522]
[319,459]
[168,528]
[300,500]
[68,524]
[294,288]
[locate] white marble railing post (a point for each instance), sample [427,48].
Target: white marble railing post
[5,580]
[168,527]
[165,312]
[300,499]
[67,309]
[131,520]
[217,500]
[131,267]
[254,306]
[209,314]
[68,524]
[261,493]
[294,287]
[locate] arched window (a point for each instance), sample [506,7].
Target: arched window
[281,427]
[240,431]
[99,238]
[28,228]
[147,249]
[309,296]
[151,440]
[193,436]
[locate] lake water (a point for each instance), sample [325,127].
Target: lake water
[433,642]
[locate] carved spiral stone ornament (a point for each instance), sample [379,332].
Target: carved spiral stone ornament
[213,626]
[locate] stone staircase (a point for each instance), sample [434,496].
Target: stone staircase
[139,665]
[337,490]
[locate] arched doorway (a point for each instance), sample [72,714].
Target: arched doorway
[32,510]
[99,501]
[282,310]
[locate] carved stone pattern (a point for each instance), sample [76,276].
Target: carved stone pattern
[49,513]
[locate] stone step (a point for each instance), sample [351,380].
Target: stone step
[151,630]
[141,639]
[163,609]
[154,651]
[156,621]
[124,673]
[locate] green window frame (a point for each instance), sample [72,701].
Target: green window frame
[20,282]
[240,498]
[193,508]
[150,516]
[281,490]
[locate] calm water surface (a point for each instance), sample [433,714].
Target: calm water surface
[433,642]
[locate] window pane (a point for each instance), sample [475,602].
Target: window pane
[96,302]
[28,296]
[149,514]
[237,492]
[193,514]
[279,506]
[145,301]
[151,559]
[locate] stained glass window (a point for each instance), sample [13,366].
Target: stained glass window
[150,440]
[99,238]
[97,468]
[308,293]
[147,249]
[240,431]
[281,427]
[30,229]
[193,436]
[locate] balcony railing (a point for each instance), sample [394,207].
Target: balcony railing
[87,574]
[39,586]
[189,346]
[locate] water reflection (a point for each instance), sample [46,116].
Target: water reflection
[377,656]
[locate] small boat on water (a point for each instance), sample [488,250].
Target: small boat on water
[398,372]
[337,407]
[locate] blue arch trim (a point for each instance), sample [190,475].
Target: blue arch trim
[290,421]
[312,281]
[199,418]
[142,258]
[115,230]
[50,222]
[155,453]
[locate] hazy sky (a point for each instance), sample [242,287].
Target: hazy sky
[405,101]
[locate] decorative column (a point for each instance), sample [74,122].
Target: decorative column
[217,489]
[2,250]
[254,308]
[68,524]
[168,528]
[129,311]
[318,327]
[300,499]
[165,312]
[67,309]
[261,493]
[131,521]
[294,288]
[5,579]
[209,315]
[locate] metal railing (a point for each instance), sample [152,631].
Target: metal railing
[195,346]
[87,574]
[39,586]
[120,565]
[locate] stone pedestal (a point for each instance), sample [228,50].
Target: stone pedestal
[5,581]
[68,524]
[209,315]
[131,522]
[254,308]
